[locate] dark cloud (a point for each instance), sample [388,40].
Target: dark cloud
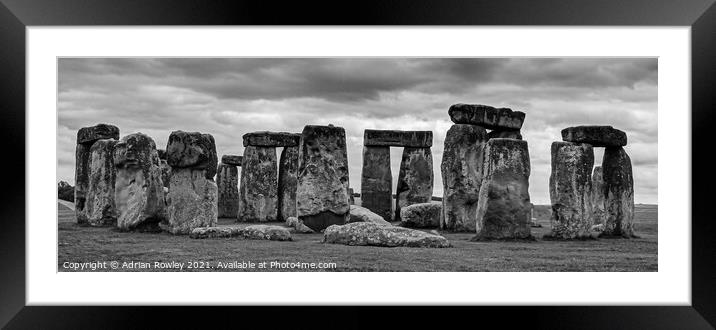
[228,97]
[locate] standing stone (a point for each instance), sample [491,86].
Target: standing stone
[570,190]
[377,181]
[86,136]
[227,181]
[258,200]
[193,193]
[461,170]
[322,191]
[351,198]
[415,179]
[618,193]
[598,196]
[503,209]
[138,191]
[287,182]
[99,206]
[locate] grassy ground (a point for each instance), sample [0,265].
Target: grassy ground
[82,244]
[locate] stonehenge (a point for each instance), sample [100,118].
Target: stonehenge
[322,186]
[138,189]
[581,196]
[415,178]
[227,182]
[193,194]
[485,174]
[99,204]
[265,195]
[86,137]
[503,209]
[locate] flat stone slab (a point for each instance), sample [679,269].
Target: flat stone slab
[362,214]
[395,138]
[421,215]
[372,234]
[231,160]
[259,232]
[597,136]
[271,139]
[87,135]
[486,116]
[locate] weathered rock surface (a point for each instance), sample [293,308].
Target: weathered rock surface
[486,116]
[423,215]
[351,197]
[227,182]
[505,134]
[87,135]
[395,138]
[322,190]
[377,181]
[266,232]
[138,190]
[271,139]
[232,160]
[216,232]
[461,170]
[618,193]
[372,234]
[597,136]
[503,209]
[598,208]
[298,226]
[415,179]
[362,214]
[162,154]
[166,171]
[287,182]
[192,201]
[192,150]
[99,206]
[570,190]
[258,193]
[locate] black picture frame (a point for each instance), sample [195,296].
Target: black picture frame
[16,15]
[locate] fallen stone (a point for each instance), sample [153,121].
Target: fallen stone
[503,210]
[88,135]
[298,226]
[227,183]
[395,138]
[505,134]
[486,116]
[618,193]
[216,232]
[231,160]
[362,214]
[372,234]
[271,139]
[423,215]
[192,201]
[415,179]
[570,190]
[99,206]
[597,136]
[287,182]
[138,189]
[377,181]
[461,170]
[258,193]
[598,207]
[322,189]
[192,150]
[266,232]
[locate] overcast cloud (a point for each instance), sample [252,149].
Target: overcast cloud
[231,97]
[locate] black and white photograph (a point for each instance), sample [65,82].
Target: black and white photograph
[357,164]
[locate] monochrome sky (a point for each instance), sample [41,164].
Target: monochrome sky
[229,97]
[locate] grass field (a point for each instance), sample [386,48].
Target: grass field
[83,244]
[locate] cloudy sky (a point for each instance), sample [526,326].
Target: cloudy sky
[229,97]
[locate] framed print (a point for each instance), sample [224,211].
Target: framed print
[404,153]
